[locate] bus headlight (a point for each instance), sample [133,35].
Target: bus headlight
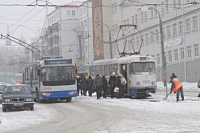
[138,83]
[7,100]
[153,82]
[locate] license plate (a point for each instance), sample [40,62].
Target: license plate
[18,104]
[146,81]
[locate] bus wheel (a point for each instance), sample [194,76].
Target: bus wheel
[69,99]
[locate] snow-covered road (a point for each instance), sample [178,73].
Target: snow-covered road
[89,115]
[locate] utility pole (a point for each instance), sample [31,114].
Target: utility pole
[164,71]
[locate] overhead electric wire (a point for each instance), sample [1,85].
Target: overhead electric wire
[27,20]
[20,19]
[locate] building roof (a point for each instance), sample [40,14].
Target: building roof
[74,4]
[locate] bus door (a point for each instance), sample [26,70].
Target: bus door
[124,73]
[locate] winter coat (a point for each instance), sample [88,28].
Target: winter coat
[105,83]
[90,83]
[118,83]
[112,81]
[98,82]
[84,85]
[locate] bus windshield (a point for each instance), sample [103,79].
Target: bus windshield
[137,68]
[63,75]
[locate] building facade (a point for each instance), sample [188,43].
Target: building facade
[67,32]
[181,29]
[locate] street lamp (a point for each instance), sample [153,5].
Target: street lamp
[111,56]
[162,49]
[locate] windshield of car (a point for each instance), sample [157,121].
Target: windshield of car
[17,89]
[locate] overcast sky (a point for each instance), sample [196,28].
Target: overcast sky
[26,20]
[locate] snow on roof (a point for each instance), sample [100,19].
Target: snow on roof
[74,4]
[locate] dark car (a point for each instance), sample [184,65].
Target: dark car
[17,97]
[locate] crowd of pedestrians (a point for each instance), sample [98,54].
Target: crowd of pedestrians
[102,85]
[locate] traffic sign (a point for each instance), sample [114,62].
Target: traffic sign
[81,62]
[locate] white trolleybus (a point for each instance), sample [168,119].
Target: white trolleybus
[138,70]
[51,79]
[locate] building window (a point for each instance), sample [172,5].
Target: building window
[136,20]
[151,13]
[166,6]
[127,21]
[114,8]
[168,32]
[142,41]
[174,30]
[163,33]
[179,3]
[194,23]
[152,37]
[187,1]
[170,56]
[125,27]
[116,28]
[133,43]
[180,28]
[81,12]
[158,59]
[174,3]
[189,52]
[162,8]
[182,53]
[147,39]
[73,12]
[176,55]
[196,50]
[137,42]
[187,25]
[157,36]
[133,20]
[155,12]
[145,16]
[142,17]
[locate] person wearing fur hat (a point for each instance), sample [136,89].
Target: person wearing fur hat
[112,83]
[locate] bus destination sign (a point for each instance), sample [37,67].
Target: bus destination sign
[54,62]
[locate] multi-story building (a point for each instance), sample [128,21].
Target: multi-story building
[181,29]
[67,32]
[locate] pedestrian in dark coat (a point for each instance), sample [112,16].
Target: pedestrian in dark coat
[120,86]
[98,84]
[78,85]
[105,87]
[90,85]
[112,84]
[84,85]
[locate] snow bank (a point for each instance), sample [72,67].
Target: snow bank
[14,120]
